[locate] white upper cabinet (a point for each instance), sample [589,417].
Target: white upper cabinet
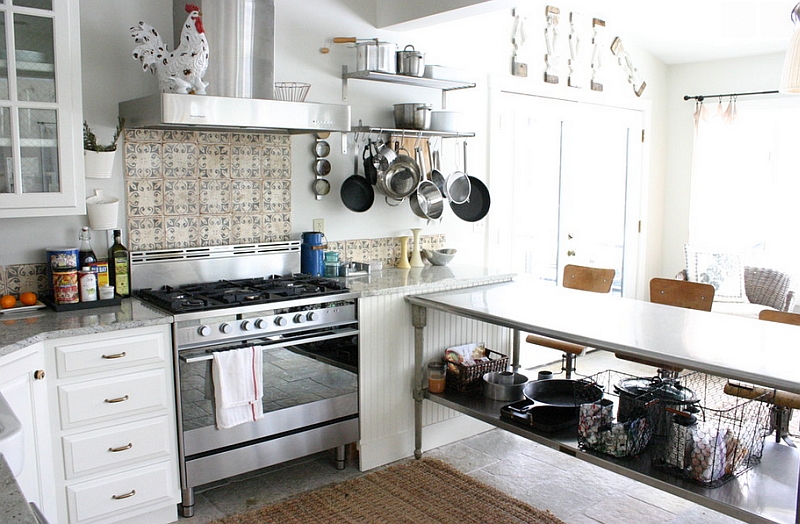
[41,162]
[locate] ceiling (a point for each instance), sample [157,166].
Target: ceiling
[674,31]
[682,31]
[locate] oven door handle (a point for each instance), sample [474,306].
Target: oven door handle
[281,342]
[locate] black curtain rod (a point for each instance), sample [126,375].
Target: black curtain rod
[700,98]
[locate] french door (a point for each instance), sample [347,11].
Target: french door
[572,176]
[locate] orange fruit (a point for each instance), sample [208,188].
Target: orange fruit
[28,298]
[8,301]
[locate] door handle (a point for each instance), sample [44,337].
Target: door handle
[571,253]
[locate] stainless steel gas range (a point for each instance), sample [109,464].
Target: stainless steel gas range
[307,327]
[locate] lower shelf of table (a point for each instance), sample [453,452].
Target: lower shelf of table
[765,493]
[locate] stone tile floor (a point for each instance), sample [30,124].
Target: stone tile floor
[575,491]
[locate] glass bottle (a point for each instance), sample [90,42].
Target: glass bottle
[119,265]
[86,254]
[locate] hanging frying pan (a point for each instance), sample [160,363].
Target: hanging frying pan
[356,192]
[477,206]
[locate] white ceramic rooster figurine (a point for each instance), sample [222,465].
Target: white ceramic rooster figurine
[179,71]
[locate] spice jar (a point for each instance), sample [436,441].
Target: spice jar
[437,370]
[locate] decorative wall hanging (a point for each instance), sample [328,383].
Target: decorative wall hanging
[598,28]
[576,62]
[179,71]
[518,39]
[551,59]
[626,64]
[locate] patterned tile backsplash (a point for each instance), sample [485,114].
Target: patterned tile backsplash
[202,188]
[205,188]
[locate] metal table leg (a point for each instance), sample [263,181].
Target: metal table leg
[419,319]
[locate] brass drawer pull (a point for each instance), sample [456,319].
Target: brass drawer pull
[115,355]
[121,448]
[125,496]
[115,400]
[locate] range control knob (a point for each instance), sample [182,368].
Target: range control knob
[299,318]
[204,331]
[261,323]
[246,325]
[312,316]
[226,328]
[280,321]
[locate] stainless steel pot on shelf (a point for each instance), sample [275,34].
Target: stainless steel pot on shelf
[410,63]
[413,116]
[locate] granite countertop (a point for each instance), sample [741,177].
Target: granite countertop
[20,330]
[13,505]
[424,279]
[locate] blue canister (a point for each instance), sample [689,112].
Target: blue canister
[312,251]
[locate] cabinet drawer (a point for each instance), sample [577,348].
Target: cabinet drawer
[113,353]
[117,494]
[118,445]
[113,397]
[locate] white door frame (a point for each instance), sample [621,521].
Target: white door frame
[498,234]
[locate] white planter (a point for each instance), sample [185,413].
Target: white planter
[98,164]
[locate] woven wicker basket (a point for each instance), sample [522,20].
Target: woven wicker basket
[469,379]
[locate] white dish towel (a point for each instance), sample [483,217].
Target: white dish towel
[238,386]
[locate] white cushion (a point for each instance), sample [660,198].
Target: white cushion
[748,309]
[724,271]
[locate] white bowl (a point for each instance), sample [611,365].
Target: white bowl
[439,257]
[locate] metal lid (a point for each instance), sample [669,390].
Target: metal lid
[655,387]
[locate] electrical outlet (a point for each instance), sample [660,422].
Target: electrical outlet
[319,225]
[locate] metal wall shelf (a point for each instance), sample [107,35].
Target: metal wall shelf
[410,132]
[433,83]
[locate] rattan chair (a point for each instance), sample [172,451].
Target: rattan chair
[765,287]
[596,280]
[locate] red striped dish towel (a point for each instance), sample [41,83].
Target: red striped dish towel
[238,386]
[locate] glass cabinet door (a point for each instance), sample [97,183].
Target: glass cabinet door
[39,109]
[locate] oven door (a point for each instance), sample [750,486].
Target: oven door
[309,380]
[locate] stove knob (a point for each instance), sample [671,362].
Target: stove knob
[299,318]
[312,316]
[261,323]
[247,325]
[226,328]
[280,321]
[204,331]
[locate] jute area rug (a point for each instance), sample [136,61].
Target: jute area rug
[426,491]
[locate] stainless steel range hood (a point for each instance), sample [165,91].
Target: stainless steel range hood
[240,75]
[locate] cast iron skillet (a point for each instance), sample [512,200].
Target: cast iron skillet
[357,193]
[477,205]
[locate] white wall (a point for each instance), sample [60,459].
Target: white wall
[480,44]
[758,73]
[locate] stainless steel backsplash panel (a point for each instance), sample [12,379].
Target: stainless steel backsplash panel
[176,267]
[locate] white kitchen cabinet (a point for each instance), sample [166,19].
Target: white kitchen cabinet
[23,384]
[114,427]
[41,151]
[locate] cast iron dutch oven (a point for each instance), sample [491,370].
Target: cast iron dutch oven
[636,393]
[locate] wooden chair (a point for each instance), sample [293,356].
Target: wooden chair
[678,293]
[782,401]
[596,280]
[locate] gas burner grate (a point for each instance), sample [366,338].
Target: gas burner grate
[230,293]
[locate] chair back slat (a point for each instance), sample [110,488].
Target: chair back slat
[682,293]
[585,278]
[780,316]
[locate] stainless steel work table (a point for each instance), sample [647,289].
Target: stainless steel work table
[749,350]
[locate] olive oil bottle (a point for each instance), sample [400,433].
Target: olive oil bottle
[119,265]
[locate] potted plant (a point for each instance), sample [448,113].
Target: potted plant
[98,158]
